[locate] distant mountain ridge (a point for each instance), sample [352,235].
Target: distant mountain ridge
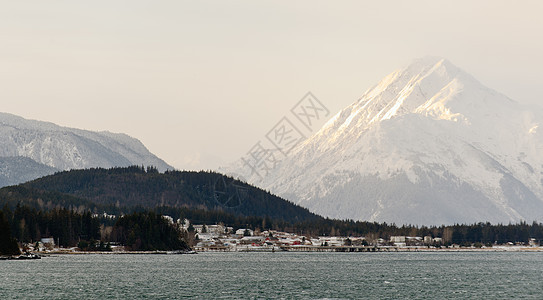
[14,170]
[427,145]
[63,148]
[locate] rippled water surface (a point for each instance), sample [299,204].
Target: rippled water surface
[442,275]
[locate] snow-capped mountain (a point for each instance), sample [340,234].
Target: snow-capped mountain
[53,147]
[429,144]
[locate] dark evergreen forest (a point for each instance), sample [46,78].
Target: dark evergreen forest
[147,188]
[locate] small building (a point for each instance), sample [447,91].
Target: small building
[413,240]
[205,236]
[213,229]
[428,240]
[397,239]
[252,240]
[241,232]
[48,241]
[358,241]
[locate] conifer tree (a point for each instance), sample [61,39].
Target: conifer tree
[8,245]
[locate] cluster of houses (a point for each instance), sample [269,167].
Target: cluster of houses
[45,244]
[223,238]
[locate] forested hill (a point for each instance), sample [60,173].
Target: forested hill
[148,188]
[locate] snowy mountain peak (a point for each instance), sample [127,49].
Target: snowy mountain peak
[424,87]
[428,144]
[430,86]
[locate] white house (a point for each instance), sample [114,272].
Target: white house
[213,229]
[397,239]
[241,232]
[49,240]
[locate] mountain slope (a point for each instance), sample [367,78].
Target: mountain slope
[14,170]
[429,144]
[134,186]
[64,148]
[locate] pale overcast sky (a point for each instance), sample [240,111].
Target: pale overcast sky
[200,82]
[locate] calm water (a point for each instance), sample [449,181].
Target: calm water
[277,275]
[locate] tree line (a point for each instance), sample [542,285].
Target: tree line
[8,244]
[68,227]
[452,234]
[146,229]
[143,231]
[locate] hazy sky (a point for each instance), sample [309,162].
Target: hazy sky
[200,82]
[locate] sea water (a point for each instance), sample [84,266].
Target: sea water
[280,275]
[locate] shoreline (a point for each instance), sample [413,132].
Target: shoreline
[158,252]
[301,250]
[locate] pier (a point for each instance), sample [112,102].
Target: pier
[311,248]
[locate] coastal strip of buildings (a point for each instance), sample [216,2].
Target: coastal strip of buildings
[223,238]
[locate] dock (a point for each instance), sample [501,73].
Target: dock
[312,248]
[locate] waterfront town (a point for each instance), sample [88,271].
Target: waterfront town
[220,238]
